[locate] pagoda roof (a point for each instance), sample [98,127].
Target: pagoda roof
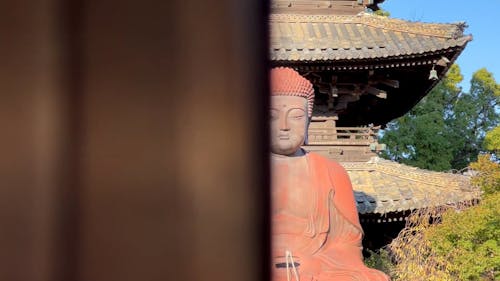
[333,7]
[376,68]
[315,38]
[382,186]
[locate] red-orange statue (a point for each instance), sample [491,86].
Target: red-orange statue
[316,233]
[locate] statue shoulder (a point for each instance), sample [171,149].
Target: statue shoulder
[343,198]
[332,165]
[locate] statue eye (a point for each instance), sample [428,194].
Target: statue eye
[296,114]
[273,115]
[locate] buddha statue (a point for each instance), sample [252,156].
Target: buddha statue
[316,233]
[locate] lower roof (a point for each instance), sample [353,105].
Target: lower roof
[382,186]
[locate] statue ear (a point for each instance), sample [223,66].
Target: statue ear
[307,131]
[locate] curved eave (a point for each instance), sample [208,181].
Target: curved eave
[412,72]
[382,187]
[371,62]
[332,56]
[414,84]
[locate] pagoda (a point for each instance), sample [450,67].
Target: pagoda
[368,70]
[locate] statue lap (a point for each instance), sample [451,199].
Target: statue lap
[314,218]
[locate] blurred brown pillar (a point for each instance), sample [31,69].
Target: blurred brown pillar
[135,141]
[33,136]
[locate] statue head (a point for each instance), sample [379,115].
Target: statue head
[292,99]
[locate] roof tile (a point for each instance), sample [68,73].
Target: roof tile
[330,37]
[382,186]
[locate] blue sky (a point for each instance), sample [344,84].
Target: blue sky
[481,16]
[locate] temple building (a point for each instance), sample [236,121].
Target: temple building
[368,70]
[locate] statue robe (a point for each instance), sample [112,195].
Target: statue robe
[315,221]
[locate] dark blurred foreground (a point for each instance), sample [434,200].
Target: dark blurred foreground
[133,140]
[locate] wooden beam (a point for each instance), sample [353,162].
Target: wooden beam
[390,82]
[376,92]
[323,88]
[335,78]
[317,4]
[344,100]
[334,92]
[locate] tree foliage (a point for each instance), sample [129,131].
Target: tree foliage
[420,138]
[380,260]
[488,174]
[474,114]
[469,241]
[464,245]
[446,129]
[492,140]
[382,13]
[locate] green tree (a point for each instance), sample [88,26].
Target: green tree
[470,240]
[382,13]
[420,138]
[448,243]
[446,129]
[492,140]
[488,174]
[474,114]
[464,246]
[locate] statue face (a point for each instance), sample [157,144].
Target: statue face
[288,124]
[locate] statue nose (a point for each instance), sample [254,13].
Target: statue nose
[284,125]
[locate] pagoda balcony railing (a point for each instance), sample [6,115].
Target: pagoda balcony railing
[342,136]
